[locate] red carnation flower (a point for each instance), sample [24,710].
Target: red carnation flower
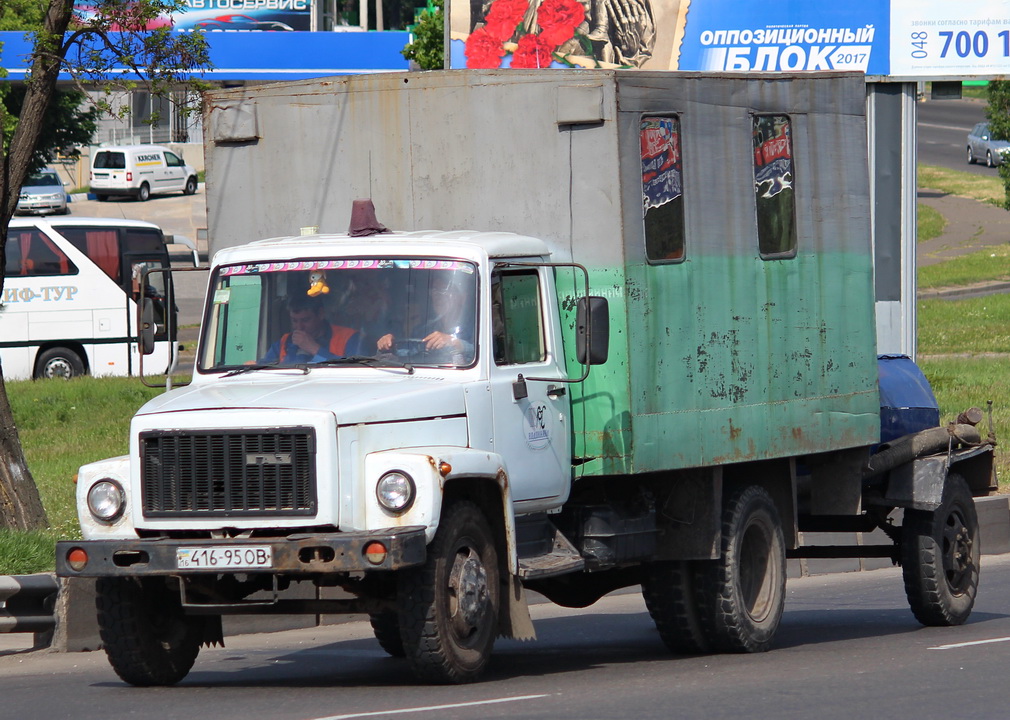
[558,20]
[503,18]
[483,51]
[533,52]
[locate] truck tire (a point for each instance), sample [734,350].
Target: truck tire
[190,188]
[58,362]
[448,607]
[744,590]
[940,557]
[144,193]
[386,627]
[668,589]
[147,637]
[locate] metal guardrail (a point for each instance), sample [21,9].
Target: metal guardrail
[29,603]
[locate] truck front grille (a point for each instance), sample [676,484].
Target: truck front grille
[229,473]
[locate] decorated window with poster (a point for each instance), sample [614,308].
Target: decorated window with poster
[662,189]
[773,186]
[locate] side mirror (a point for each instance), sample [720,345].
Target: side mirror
[147,327]
[592,330]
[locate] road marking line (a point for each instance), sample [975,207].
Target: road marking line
[944,127]
[969,644]
[432,707]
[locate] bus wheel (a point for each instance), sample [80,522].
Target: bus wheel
[144,193]
[59,362]
[449,606]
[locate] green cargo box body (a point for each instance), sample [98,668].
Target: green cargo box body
[721,357]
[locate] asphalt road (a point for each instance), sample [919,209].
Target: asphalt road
[942,128]
[848,648]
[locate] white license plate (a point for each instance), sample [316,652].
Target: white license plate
[243,557]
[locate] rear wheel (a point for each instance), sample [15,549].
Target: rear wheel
[940,557]
[449,605]
[742,594]
[147,637]
[101,198]
[58,362]
[144,193]
[668,589]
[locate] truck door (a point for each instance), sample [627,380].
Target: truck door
[531,433]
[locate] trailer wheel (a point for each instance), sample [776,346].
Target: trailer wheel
[449,606]
[144,193]
[940,557]
[386,627]
[58,362]
[743,592]
[668,589]
[148,639]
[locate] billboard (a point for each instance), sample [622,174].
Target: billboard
[239,15]
[901,38]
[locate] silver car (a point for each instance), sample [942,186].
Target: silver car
[43,194]
[981,145]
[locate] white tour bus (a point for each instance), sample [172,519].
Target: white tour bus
[69,301]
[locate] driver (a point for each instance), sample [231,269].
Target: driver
[312,339]
[443,327]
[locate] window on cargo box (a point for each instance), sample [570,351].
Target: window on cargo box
[773,186]
[29,253]
[662,189]
[517,318]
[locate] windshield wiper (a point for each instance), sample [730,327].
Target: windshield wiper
[266,366]
[366,360]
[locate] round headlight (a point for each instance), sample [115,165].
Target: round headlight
[395,491]
[106,500]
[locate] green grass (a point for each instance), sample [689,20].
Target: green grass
[973,326]
[24,553]
[929,223]
[63,425]
[957,182]
[990,264]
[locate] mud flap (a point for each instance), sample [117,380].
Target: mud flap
[515,621]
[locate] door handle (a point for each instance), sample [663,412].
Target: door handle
[555,390]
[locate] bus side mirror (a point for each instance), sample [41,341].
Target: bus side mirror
[592,330]
[147,327]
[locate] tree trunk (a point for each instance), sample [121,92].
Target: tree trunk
[20,506]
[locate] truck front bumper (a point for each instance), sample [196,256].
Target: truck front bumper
[294,555]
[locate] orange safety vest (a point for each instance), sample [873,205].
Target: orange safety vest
[338,340]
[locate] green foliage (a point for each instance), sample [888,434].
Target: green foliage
[998,112]
[68,123]
[428,47]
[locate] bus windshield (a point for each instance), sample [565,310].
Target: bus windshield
[339,311]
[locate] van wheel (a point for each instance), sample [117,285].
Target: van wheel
[190,186]
[59,362]
[144,193]
[101,198]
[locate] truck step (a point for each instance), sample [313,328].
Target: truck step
[562,559]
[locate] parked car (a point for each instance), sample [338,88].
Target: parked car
[139,171]
[982,145]
[43,194]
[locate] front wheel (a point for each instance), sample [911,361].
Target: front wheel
[147,637]
[58,362]
[190,188]
[988,159]
[971,156]
[743,592]
[449,606]
[940,557]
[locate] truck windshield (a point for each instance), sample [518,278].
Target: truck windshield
[315,312]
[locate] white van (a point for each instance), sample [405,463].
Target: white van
[140,171]
[69,302]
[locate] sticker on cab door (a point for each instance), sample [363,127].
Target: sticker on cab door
[537,426]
